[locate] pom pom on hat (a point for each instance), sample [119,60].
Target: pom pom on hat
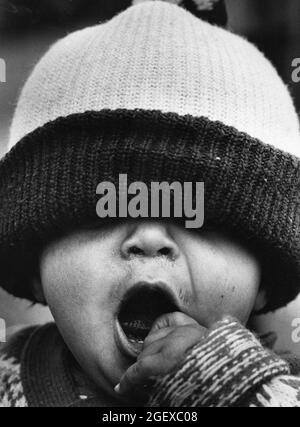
[213,11]
[200,4]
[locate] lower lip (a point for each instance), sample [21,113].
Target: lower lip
[126,347]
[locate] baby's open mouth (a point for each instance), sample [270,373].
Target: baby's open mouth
[139,310]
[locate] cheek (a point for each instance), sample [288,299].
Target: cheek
[226,281]
[62,277]
[72,279]
[240,290]
[81,303]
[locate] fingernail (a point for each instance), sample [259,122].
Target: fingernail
[117,388]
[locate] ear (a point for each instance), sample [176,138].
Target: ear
[261,301]
[38,291]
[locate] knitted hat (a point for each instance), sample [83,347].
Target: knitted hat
[159,95]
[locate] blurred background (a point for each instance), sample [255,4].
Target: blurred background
[29,27]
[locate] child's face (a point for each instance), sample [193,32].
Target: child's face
[156,267]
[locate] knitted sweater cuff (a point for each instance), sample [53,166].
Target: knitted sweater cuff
[222,370]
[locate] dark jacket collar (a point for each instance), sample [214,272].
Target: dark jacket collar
[48,374]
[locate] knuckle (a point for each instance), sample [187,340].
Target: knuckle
[143,366]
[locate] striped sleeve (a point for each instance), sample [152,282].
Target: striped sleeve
[281,392]
[11,387]
[229,368]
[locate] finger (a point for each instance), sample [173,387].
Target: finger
[172,319]
[157,335]
[137,395]
[138,374]
[135,379]
[177,342]
[160,328]
[153,348]
[182,338]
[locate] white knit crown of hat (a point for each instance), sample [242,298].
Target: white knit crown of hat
[157,56]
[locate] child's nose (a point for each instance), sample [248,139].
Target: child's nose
[150,240]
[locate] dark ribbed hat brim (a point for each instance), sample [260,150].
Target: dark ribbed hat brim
[48,185]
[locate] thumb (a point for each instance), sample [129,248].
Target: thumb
[170,320]
[165,325]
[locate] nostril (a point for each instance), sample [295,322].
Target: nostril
[134,250]
[165,252]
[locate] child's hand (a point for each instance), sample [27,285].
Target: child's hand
[165,347]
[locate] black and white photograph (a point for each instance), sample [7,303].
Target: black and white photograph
[149,206]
